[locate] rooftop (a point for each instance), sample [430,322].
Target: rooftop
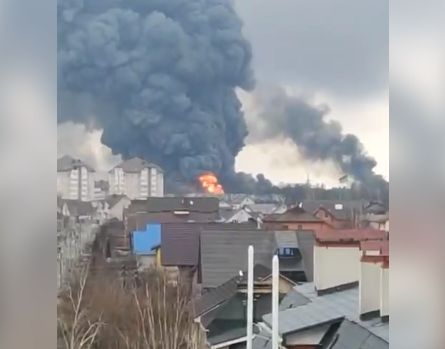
[294,214]
[136,165]
[350,235]
[68,163]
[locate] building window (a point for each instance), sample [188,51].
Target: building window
[286,252]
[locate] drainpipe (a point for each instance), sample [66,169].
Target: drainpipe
[275,300]
[250,298]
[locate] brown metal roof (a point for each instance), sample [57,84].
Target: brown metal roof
[170,204]
[180,241]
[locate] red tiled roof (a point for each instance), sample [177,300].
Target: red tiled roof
[374,245]
[350,235]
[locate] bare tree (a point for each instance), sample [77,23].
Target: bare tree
[76,327]
[98,312]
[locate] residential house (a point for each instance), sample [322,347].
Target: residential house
[137,179]
[79,211]
[75,179]
[337,256]
[116,206]
[310,320]
[222,311]
[237,201]
[173,209]
[144,242]
[295,218]
[223,253]
[241,215]
[180,248]
[374,279]
[340,214]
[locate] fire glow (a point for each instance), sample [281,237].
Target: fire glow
[209,183]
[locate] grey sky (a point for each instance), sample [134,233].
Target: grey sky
[335,52]
[337,46]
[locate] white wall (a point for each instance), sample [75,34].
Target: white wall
[77,184]
[335,266]
[369,287]
[149,182]
[384,292]
[117,211]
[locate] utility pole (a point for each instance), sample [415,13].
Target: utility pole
[275,300]
[250,297]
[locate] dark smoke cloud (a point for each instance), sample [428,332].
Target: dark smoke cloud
[281,115]
[159,77]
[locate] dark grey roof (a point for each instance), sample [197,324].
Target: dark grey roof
[293,299]
[180,241]
[214,297]
[169,204]
[305,316]
[345,302]
[286,239]
[136,165]
[351,335]
[224,253]
[228,335]
[112,200]
[68,163]
[346,213]
[306,241]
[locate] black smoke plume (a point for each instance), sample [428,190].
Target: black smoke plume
[159,78]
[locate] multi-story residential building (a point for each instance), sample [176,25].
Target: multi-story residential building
[137,179]
[75,179]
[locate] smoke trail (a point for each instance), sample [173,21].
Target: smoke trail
[281,115]
[159,77]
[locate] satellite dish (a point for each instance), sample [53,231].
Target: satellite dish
[241,273]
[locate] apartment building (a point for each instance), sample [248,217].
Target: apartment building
[137,179]
[75,179]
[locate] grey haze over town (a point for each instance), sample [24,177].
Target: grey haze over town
[291,90]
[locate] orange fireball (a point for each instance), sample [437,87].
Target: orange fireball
[209,182]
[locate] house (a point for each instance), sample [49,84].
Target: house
[237,201]
[144,242]
[295,253]
[295,218]
[222,311]
[174,209]
[340,214]
[75,179]
[374,279]
[80,211]
[116,206]
[337,256]
[332,320]
[137,179]
[223,253]
[180,248]
[241,215]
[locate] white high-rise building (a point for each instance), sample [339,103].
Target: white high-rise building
[75,179]
[137,179]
